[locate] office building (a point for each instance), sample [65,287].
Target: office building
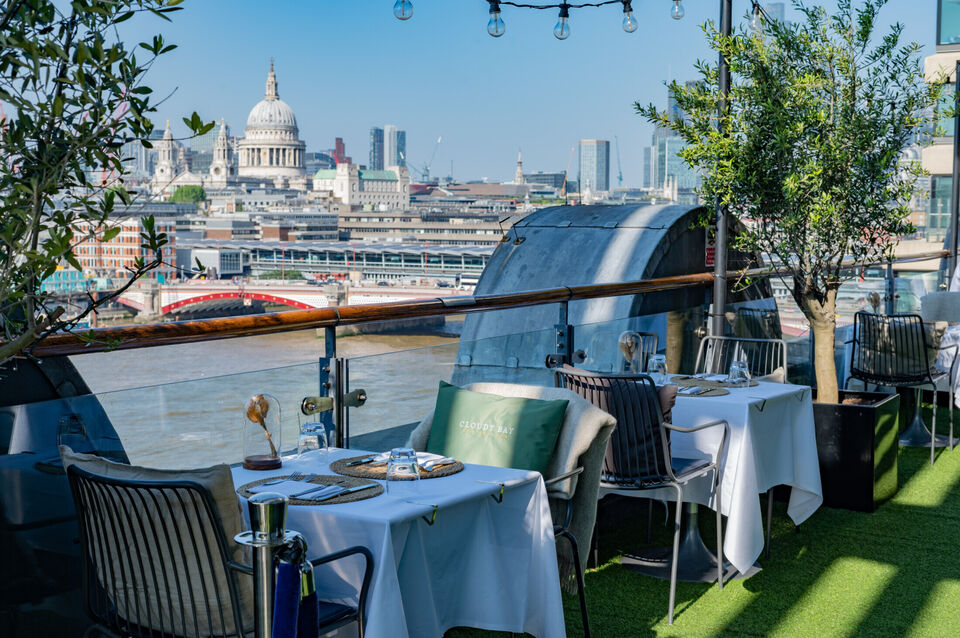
[594,162]
[937,158]
[376,149]
[394,146]
[553,180]
[353,185]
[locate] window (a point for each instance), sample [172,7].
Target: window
[938,209]
[946,102]
[948,22]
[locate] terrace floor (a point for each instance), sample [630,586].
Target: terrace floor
[895,572]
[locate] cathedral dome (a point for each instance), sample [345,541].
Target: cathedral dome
[271,112]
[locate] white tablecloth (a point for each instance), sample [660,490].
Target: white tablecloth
[482,564]
[772,442]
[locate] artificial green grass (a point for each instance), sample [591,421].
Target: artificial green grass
[895,572]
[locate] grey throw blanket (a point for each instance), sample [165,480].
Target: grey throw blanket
[582,442]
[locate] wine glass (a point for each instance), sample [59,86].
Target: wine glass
[313,436]
[739,375]
[657,368]
[403,473]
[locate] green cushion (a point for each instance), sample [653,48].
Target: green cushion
[488,429]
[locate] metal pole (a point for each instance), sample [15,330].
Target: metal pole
[720,254]
[955,190]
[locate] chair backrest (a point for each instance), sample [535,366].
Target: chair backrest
[764,357]
[649,344]
[155,558]
[890,349]
[638,448]
[758,323]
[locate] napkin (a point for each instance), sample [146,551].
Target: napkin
[292,488]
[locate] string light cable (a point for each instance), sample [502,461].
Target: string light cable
[403,10]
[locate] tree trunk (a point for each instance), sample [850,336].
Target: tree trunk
[823,325]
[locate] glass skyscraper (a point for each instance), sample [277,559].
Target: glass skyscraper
[376,149]
[394,146]
[594,165]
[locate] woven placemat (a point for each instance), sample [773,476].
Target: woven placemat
[689,382]
[244,490]
[380,471]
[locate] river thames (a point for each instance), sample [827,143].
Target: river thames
[183,405]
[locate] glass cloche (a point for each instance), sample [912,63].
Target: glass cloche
[261,433]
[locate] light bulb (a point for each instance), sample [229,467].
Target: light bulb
[495,26]
[677,12]
[630,23]
[757,20]
[562,29]
[403,9]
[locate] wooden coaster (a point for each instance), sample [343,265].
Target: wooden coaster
[380,471]
[244,490]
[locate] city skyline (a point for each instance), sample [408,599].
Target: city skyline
[440,74]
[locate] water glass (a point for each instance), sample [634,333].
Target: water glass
[657,368]
[403,472]
[739,374]
[313,436]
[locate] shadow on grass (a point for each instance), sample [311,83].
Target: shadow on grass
[841,574]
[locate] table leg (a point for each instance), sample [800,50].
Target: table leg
[696,563]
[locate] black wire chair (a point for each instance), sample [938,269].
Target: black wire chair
[638,453]
[894,350]
[764,357]
[757,323]
[157,562]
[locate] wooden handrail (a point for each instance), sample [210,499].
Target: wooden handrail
[163,334]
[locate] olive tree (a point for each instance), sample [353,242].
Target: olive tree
[818,115]
[73,94]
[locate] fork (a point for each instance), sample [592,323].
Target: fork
[296,476]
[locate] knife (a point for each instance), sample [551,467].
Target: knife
[366,459]
[357,488]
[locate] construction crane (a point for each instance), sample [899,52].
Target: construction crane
[425,170]
[619,172]
[563,188]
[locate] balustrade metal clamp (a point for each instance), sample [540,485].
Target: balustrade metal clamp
[554,360]
[315,405]
[355,399]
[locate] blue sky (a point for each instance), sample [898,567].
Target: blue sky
[347,65]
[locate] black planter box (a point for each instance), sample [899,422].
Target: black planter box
[857,446]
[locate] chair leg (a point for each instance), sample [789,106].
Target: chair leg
[766,548]
[719,532]
[595,542]
[933,426]
[950,379]
[649,521]
[676,555]
[579,575]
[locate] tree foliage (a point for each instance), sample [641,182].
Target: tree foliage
[190,194]
[819,114]
[74,94]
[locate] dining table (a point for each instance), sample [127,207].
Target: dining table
[472,549]
[772,441]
